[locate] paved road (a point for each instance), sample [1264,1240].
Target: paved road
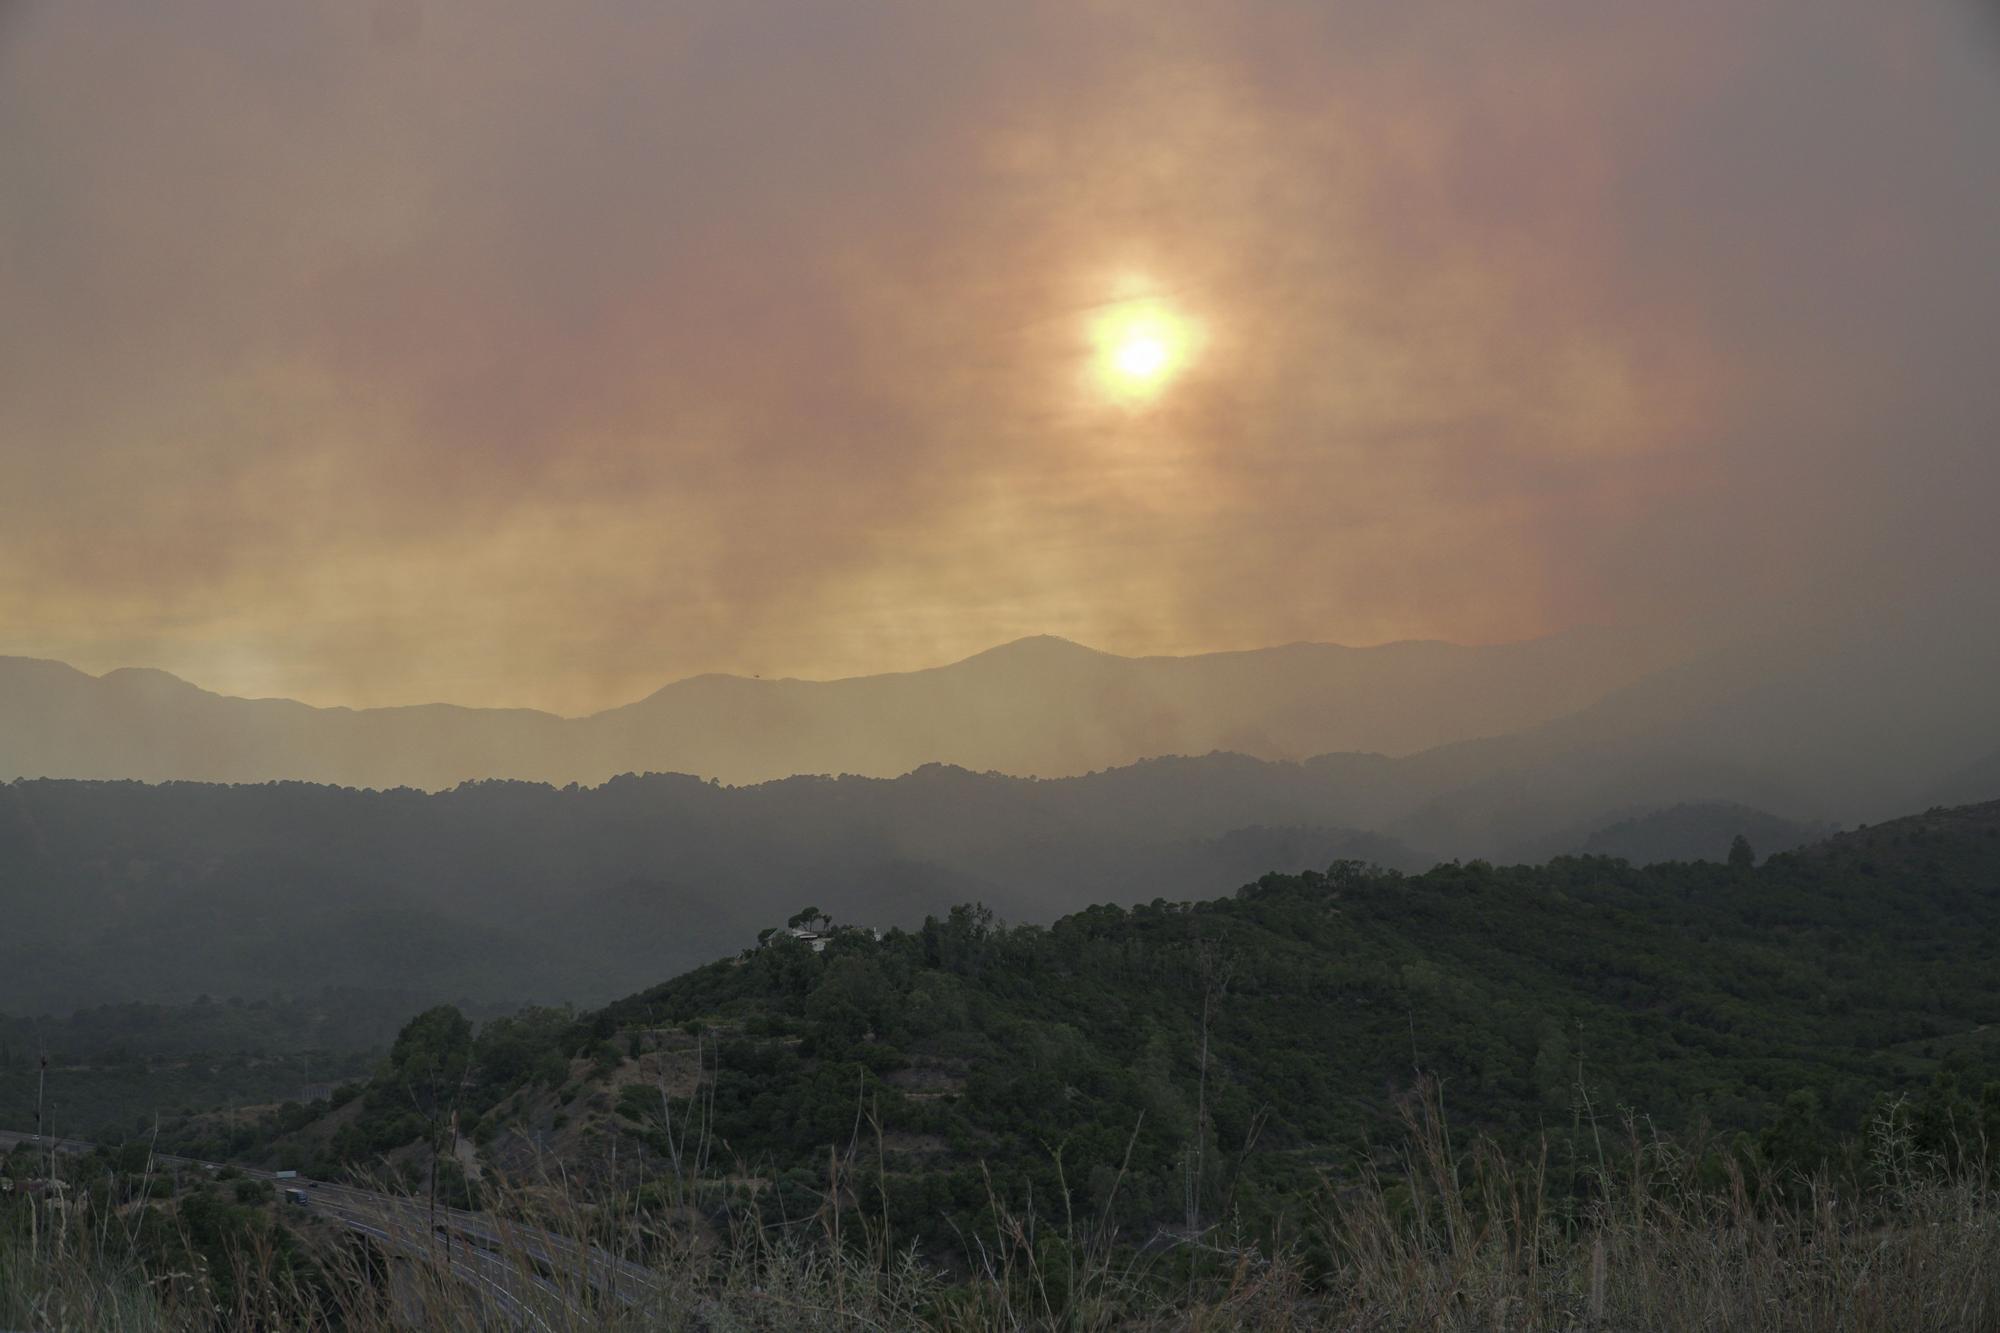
[9,1138]
[523,1271]
[510,1286]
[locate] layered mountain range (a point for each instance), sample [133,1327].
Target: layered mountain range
[1035,707]
[347,873]
[1471,751]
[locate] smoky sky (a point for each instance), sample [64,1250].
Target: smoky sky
[537,354]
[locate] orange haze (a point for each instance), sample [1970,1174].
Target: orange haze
[537,354]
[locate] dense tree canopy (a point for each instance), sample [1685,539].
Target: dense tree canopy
[1203,1055]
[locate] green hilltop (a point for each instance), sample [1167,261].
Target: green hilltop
[1215,1055]
[1183,1063]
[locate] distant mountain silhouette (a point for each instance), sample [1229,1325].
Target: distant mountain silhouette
[1040,706]
[1698,831]
[1834,724]
[512,891]
[1976,782]
[508,891]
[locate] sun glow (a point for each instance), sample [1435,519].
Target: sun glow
[1141,346]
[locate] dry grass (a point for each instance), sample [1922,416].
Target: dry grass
[1471,1241]
[1449,1238]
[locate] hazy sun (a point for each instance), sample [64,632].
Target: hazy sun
[1141,346]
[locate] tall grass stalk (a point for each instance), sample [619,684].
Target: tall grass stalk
[1447,1237]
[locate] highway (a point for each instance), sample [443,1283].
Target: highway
[526,1273]
[511,1286]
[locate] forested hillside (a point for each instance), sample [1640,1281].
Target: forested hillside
[1696,831]
[112,1067]
[518,892]
[1209,1058]
[509,893]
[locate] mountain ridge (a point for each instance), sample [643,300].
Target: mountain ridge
[1789,722]
[1010,649]
[1041,705]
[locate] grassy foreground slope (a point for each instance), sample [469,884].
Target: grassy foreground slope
[1175,1064]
